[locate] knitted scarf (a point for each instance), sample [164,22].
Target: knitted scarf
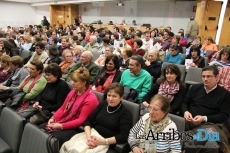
[64,65]
[108,81]
[168,90]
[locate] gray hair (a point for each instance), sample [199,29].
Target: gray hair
[93,38]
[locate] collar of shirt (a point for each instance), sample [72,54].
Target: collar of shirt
[208,91]
[136,74]
[84,65]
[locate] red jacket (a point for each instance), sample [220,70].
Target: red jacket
[139,52]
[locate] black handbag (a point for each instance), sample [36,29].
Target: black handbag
[130,94]
[28,112]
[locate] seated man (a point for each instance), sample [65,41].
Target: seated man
[207,102]
[39,54]
[85,61]
[137,78]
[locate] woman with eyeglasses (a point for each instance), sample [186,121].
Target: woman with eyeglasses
[154,132]
[173,56]
[170,86]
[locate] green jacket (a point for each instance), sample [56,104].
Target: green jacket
[92,67]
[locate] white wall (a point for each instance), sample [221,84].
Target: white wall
[20,14]
[157,13]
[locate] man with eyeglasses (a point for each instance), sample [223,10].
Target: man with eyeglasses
[207,102]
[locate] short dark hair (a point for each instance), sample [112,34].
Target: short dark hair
[17,61]
[139,59]
[174,46]
[212,68]
[40,44]
[115,60]
[38,64]
[53,51]
[194,48]
[164,101]
[54,69]
[106,40]
[129,52]
[116,87]
[139,42]
[82,34]
[55,40]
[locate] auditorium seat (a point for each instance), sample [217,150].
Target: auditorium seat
[193,76]
[2,105]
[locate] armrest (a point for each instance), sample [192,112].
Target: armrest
[122,148]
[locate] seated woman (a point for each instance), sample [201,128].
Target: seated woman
[110,73]
[78,105]
[169,86]
[173,56]
[152,65]
[32,85]
[9,48]
[53,56]
[101,59]
[118,120]
[78,49]
[54,94]
[209,45]
[158,121]
[67,63]
[194,54]
[16,77]
[124,60]
[223,59]
[25,42]
[5,70]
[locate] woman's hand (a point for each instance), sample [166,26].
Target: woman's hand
[147,63]
[2,87]
[138,150]
[145,104]
[55,126]
[36,104]
[51,121]
[96,141]
[192,64]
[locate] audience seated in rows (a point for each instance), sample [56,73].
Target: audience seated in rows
[141,138]
[78,105]
[53,95]
[136,77]
[109,73]
[85,61]
[170,86]
[5,70]
[67,64]
[118,121]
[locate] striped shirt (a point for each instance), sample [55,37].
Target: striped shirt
[164,143]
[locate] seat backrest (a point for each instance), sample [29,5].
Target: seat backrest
[11,128]
[100,96]
[70,85]
[179,121]
[2,105]
[134,110]
[96,54]
[184,50]
[206,61]
[34,140]
[193,76]
[183,71]
[24,54]
[208,52]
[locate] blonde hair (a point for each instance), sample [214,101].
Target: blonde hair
[81,74]
[5,59]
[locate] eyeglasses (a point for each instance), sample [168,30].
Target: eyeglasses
[207,76]
[153,109]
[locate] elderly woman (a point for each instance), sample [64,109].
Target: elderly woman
[223,58]
[53,96]
[78,105]
[78,49]
[169,86]
[17,76]
[101,59]
[110,73]
[5,70]
[118,120]
[156,122]
[25,42]
[173,56]
[194,55]
[67,63]
[152,65]
[53,56]
[92,45]
[32,85]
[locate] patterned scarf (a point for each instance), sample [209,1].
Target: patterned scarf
[64,65]
[108,81]
[168,90]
